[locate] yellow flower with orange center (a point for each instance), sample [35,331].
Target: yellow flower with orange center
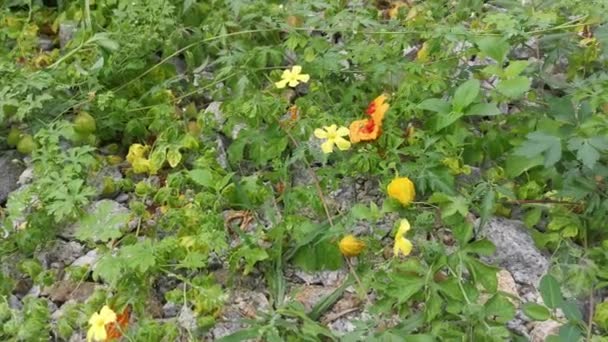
[350,246]
[370,129]
[402,189]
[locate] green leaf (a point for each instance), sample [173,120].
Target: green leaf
[516,165]
[571,311]
[419,338]
[202,177]
[328,301]
[465,94]
[487,206]
[532,217]
[570,333]
[241,335]
[482,247]
[551,292]
[586,152]
[515,68]
[536,312]
[403,288]
[435,105]
[104,224]
[484,274]
[456,204]
[194,260]
[484,109]
[108,268]
[103,40]
[495,47]
[319,256]
[432,307]
[139,256]
[174,157]
[443,120]
[500,309]
[538,143]
[514,87]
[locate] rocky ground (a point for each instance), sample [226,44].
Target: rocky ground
[522,265]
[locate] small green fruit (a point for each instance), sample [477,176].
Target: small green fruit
[26,145]
[109,186]
[13,137]
[84,123]
[141,188]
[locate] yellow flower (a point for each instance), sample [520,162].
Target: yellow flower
[292,77]
[402,189]
[333,136]
[136,151]
[402,245]
[98,321]
[141,165]
[136,158]
[350,246]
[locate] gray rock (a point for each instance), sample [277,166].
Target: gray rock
[122,198]
[14,302]
[87,260]
[66,33]
[10,170]
[35,291]
[222,152]
[542,330]
[26,176]
[187,319]
[170,310]
[60,253]
[325,278]
[45,43]
[515,250]
[65,290]
[99,179]
[215,109]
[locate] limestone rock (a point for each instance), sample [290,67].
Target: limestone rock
[10,170]
[515,250]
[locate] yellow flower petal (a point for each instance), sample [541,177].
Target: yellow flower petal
[328,146]
[350,246]
[107,314]
[303,78]
[136,151]
[402,246]
[95,317]
[97,333]
[319,133]
[281,84]
[402,189]
[342,143]
[296,69]
[331,130]
[404,227]
[293,82]
[342,131]
[141,165]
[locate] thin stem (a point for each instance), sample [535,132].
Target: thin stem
[315,179]
[352,271]
[590,318]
